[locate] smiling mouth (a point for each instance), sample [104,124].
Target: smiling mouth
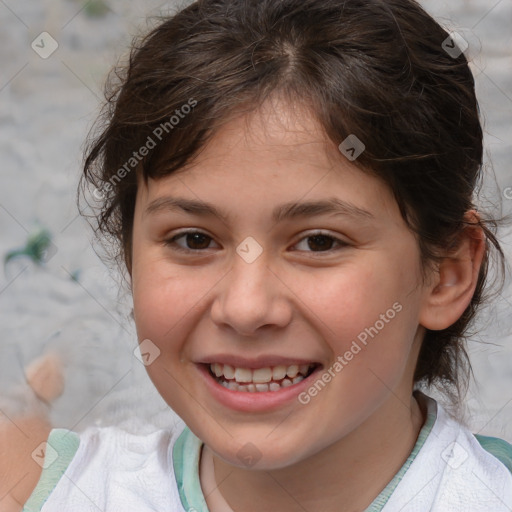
[259,380]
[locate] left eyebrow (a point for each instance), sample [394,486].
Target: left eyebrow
[332,205]
[282,212]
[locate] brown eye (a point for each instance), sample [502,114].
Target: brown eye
[194,241]
[320,242]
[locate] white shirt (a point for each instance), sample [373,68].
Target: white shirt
[108,469]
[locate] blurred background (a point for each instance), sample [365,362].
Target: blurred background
[56,295]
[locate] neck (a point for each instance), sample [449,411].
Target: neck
[353,471]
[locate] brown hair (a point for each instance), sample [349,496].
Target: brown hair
[373,68]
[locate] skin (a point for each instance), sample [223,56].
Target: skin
[294,300]
[19,473]
[21,436]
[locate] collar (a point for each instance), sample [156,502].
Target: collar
[187,453]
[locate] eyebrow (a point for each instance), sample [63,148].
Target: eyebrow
[282,212]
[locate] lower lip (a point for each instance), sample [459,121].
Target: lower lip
[247,401]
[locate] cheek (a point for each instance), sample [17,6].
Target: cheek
[166,300]
[159,302]
[366,313]
[343,301]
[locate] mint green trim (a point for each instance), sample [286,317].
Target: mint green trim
[497,447]
[379,502]
[185,458]
[65,444]
[187,450]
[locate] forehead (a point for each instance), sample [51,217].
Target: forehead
[276,130]
[276,153]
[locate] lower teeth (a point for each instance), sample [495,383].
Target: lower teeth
[258,388]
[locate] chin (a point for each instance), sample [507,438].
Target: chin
[256,455]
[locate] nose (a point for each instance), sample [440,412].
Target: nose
[251,298]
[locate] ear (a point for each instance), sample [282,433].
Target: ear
[453,286]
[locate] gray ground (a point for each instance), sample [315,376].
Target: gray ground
[46,108]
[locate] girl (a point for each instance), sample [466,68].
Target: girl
[290,184]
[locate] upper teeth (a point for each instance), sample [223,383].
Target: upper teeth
[259,375]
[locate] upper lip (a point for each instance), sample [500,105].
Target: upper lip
[257,362]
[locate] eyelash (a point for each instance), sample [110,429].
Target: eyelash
[171,242]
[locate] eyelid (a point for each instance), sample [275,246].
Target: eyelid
[171,242]
[319,232]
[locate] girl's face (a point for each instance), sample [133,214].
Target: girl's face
[294,257]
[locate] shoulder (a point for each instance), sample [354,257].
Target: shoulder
[452,468]
[491,454]
[500,449]
[108,463]
[476,467]
[55,455]
[21,444]
[486,448]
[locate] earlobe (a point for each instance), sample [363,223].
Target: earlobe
[457,276]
